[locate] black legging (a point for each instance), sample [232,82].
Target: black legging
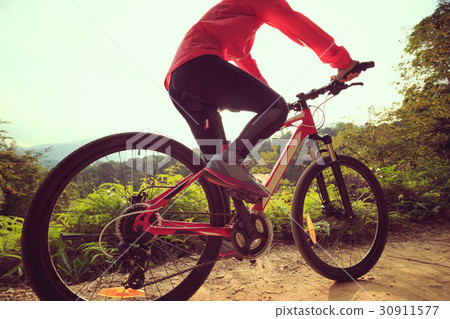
[202,86]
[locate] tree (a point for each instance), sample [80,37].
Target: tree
[409,147]
[425,125]
[3,145]
[20,173]
[418,131]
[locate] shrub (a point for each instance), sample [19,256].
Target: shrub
[10,259]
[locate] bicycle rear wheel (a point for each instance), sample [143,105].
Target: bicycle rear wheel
[343,248]
[106,179]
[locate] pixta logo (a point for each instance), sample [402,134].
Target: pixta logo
[308,151]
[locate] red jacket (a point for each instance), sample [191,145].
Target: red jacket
[228,31]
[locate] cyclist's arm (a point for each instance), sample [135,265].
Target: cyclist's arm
[303,31]
[248,64]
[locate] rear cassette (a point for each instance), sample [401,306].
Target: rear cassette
[124,226]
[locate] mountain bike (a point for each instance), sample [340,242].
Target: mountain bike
[131,216]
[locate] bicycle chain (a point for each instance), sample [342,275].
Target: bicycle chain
[186,213]
[196,266]
[184,271]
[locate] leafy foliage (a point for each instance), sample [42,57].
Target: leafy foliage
[279,212]
[20,174]
[78,263]
[425,125]
[10,232]
[88,214]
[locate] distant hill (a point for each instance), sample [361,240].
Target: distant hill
[54,153]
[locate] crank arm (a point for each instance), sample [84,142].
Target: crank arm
[244,214]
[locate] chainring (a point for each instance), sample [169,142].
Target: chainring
[251,248]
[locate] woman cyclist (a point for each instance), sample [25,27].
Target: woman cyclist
[201,81]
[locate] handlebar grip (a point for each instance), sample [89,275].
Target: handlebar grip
[363,66]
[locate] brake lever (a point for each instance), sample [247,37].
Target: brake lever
[336,87]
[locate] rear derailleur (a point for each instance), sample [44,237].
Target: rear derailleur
[137,257]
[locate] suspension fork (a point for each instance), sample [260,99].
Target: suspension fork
[337,172]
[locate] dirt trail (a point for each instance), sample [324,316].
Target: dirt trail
[415,267]
[412,267]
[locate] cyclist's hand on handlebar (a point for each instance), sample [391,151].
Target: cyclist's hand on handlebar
[346,74]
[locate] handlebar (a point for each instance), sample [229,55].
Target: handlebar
[334,87]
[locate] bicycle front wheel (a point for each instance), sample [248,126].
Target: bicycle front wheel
[337,246]
[108,182]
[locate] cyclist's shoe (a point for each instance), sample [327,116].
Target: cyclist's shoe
[233,176]
[346,74]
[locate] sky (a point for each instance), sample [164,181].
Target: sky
[75,70]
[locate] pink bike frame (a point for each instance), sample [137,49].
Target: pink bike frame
[168,227]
